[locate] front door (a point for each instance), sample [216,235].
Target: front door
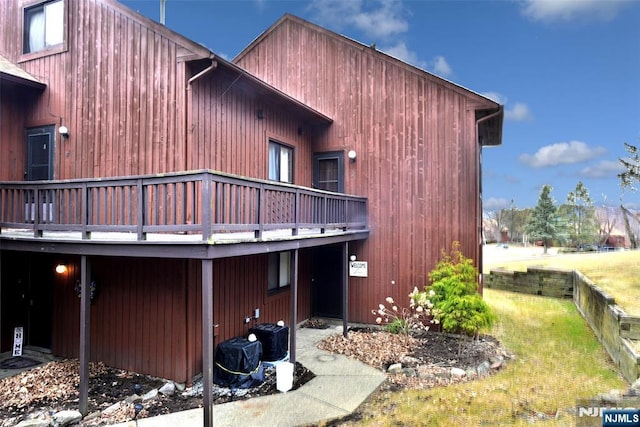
[327,281]
[40,143]
[328,171]
[26,298]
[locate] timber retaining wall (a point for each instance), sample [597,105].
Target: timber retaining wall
[618,332]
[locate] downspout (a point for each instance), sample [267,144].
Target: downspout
[479,181]
[188,122]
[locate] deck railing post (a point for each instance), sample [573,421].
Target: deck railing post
[141,206]
[296,213]
[261,207]
[37,207]
[325,209]
[84,212]
[206,206]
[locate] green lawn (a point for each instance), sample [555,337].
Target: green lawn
[617,273]
[558,360]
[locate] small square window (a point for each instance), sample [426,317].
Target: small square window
[280,162]
[43,26]
[279,271]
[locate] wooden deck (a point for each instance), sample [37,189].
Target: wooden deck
[201,208]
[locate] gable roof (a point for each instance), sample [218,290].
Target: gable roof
[193,51]
[489,113]
[11,72]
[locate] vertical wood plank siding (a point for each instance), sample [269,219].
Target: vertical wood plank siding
[146,313]
[121,89]
[414,135]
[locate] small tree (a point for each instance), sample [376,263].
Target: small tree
[545,223]
[456,303]
[581,216]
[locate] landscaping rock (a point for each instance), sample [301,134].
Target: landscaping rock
[64,418]
[636,385]
[458,373]
[410,372]
[33,423]
[111,409]
[395,368]
[168,389]
[484,368]
[150,395]
[471,372]
[134,398]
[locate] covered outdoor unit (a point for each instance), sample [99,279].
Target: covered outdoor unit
[238,363]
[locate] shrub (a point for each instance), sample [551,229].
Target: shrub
[457,305]
[402,320]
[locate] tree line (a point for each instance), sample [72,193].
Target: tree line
[576,222]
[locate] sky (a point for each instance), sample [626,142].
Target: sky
[566,71]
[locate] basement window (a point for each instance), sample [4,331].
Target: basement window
[279,271]
[43,27]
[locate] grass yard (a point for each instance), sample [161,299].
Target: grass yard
[617,273]
[558,360]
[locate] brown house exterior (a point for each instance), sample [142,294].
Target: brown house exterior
[418,140]
[182,192]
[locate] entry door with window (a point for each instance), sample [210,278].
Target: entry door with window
[328,171]
[40,143]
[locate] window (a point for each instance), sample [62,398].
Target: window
[328,171]
[43,26]
[280,162]
[279,271]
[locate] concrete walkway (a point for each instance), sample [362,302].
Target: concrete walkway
[340,386]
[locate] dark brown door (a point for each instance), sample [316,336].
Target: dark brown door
[327,281]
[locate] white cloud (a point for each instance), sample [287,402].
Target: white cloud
[519,112]
[562,153]
[402,52]
[495,204]
[567,10]
[441,67]
[379,19]
[603,169]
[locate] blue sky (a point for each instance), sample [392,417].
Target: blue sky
[567,72]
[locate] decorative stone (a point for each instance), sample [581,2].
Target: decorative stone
[64,418]
[168,389]
[111,409]
[409,372]
[395,368]
[471,372]
[134,398]
[458,373]
[496,365]
[33,423]
[180,386]
[150,395]
[92,416]
[483,368]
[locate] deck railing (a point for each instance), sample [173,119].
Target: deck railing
[201,202]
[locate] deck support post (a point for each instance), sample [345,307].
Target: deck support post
[294,306]
[345,288]
[207,341]
[85,328]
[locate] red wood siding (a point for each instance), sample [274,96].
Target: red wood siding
[146,316]
[417,156]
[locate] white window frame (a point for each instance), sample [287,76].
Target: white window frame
[279,274]
[279,155]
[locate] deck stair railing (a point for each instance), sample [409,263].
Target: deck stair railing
[200,202]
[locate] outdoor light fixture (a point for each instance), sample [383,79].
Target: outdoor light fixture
[352,257]
[61,268]
[260,114]
[352,155]
[64,131]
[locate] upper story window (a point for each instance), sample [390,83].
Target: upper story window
[280,162]
[43,26]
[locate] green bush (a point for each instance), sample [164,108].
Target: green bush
[457,305]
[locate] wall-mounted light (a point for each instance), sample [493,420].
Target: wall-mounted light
[64,131]
[352,257]
[352,155]
[260,114]
[61,268]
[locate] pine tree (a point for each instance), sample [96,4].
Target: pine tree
[545,223]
